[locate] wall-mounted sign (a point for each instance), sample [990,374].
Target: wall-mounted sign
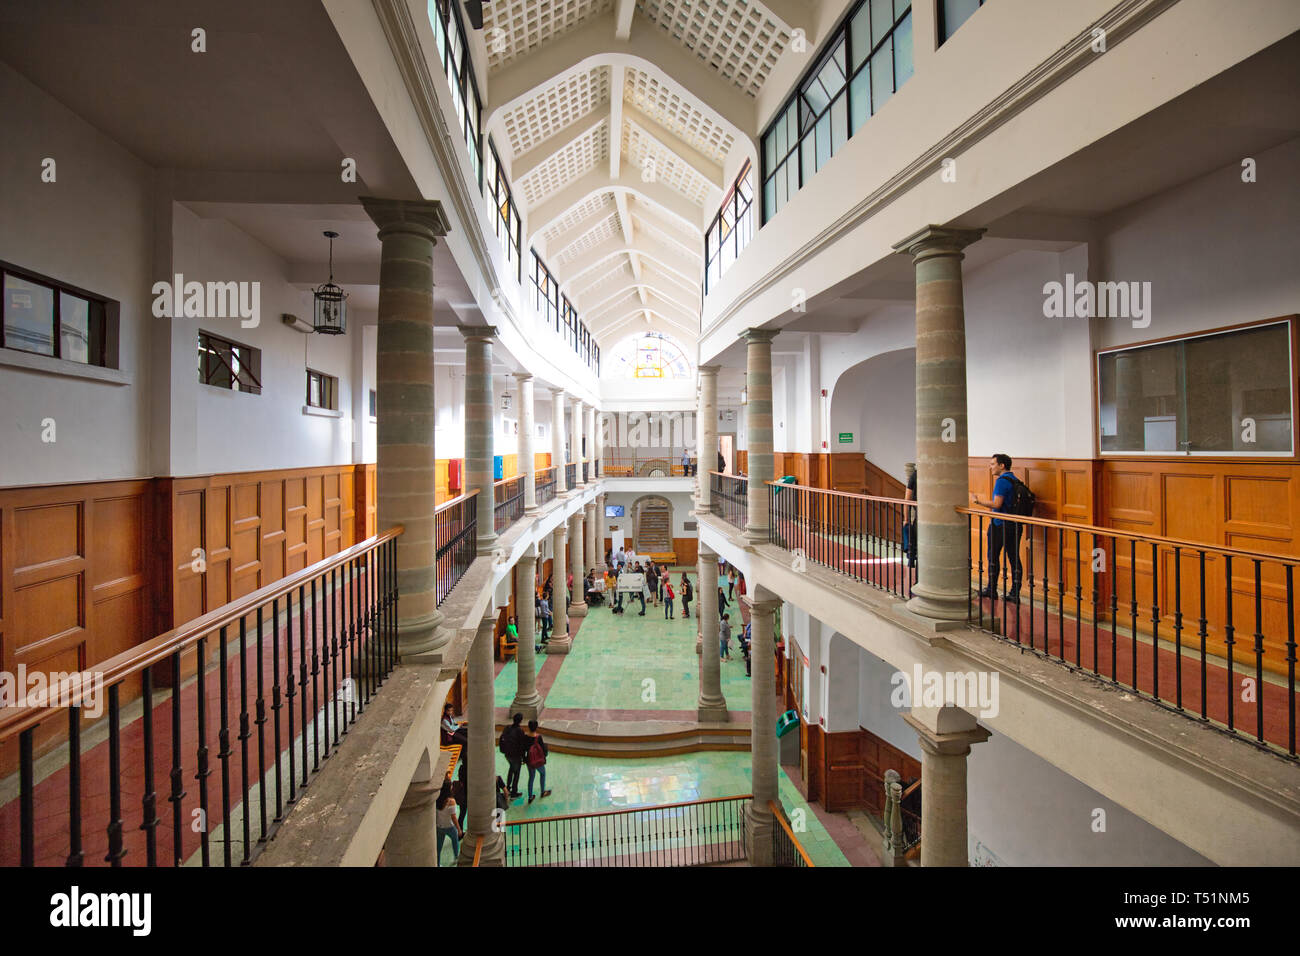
[846,438]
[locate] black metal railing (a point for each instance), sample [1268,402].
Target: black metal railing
[570,475]
[868,538]
[508,495]
[677,834]
[545,486]
[455,525]
[1159,616]
[729,498]
[295,663]
[786,849]
[586,468]
[649,465]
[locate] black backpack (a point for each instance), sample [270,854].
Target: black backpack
[1023,500]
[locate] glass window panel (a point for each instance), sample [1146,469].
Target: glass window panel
[769,151]
[769,198]
[815,99]
[782,181]
[903,52]
[901,7]
[782,143]
[823,143]
[860,99]
[792,173]
[74,328]
[839,122]
[29,316]
[792,125]
[882,76]
[808,155]
[1235,377]
[953,14]
[860,35]
[882,19]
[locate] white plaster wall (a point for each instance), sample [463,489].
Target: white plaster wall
[1022,810]
[875,401]
[90,228]
[681,502]
[219,430]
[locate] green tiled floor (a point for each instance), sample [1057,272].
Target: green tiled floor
[588,784]
[629,662]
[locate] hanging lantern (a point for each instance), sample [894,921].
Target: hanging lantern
[330,314]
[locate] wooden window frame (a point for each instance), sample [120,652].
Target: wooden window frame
[251,368]
[105,355]
[329,389]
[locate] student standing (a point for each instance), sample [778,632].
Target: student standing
[668,600]
[446,823]
[724,637]
[536,753]
[1003,536]
[544,610]
[722,603]
[512,747]
[687,593]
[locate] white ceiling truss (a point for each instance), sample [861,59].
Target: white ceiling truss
[620,122]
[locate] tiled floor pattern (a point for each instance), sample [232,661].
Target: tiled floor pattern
[582,785]
[628,662]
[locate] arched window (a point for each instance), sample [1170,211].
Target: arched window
[649,355]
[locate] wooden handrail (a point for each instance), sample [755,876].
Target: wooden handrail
[779,813]
[502,481]
[14,720]
[614,813]
[454,501]
[915,783]
[1292,560]
[478,849]
[845,494]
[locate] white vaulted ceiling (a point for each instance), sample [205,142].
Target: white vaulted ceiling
[618,123]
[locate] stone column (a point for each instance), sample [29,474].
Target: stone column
[758,430]
[413,839]
[578,605]
[575,443]
[943,588]
[595,551]
[712,705]
[946,735]
[589,429]
[598,438]
[479,430]
[706,427]
[406,411]
[560,641]
[527,425]
[763,777]
[557,438]
[527,700]
[482,753]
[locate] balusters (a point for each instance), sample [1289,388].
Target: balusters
[75,856]
[149,801]
[177,773]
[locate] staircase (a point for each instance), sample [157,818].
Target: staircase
[654,530]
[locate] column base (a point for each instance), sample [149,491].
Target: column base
[716,712]
[422,641]
[533,510]
[558,645]
[756,535]
[530,706]
[578,609]
[413,839]
[758,835]
[940,603]
[493,853]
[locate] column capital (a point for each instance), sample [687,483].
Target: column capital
[709,371]
[523,376]
[557,392]
[937,241]
[704,551]
[759,336]
[527,557]
[482,333]
[952,744]
[420,217]
[762,605]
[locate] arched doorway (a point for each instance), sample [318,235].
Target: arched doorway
[652,525]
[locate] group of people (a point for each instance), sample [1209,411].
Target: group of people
[656,587]
[521,746]
[729,581]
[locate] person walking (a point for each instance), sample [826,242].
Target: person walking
[687,593]
[536,753]
[731,583]
[722,603]
[668,600]
[544,613]
[512,747]
[686,463]
[445,821]
[724,638]
[1004,537]
[652,582]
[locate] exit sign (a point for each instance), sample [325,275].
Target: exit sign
[846,438]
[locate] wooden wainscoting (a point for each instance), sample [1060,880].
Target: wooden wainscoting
[76,581]
[253,528]
[687,551]
[844,771]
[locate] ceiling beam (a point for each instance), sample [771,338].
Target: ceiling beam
[594,43]
[617,79]
[543,214]
[688,270]
[623,10]
[692,157]
[528,161]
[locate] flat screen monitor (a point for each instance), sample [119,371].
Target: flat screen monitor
[613,511]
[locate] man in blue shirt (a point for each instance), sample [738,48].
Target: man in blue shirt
[1004,536]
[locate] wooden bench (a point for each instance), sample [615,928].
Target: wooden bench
[454,750]
[506,647]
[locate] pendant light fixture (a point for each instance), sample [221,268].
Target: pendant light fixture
[330,313]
